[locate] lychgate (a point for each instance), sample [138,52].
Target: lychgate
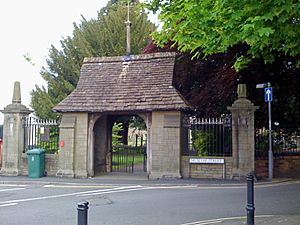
[118,86]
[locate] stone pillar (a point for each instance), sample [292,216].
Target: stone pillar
[13,134]
[67,146]
[242,134]
[147,117]
[165,145]
[81,145]
[73,151]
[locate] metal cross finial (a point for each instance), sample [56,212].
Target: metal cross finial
[128,25]
[128,10]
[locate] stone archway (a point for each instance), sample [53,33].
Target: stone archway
[100,142]
[101,137]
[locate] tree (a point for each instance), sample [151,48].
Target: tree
[209,85]
[104,36]
[116,129]
[257,38]
[265,28]
[201,81]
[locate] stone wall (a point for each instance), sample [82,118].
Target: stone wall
[51,164]
[285,167]
[217,171]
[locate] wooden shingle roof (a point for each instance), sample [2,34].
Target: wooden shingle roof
[131,83]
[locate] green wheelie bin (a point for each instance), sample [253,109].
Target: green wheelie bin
[36,162]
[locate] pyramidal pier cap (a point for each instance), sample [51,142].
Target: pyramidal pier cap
[17,93]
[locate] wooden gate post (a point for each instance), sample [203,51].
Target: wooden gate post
[13,134]
[242,135]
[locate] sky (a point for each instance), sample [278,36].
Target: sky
[30,28]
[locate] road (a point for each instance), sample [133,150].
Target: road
[141,203]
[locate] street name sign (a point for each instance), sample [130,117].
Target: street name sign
[207,160]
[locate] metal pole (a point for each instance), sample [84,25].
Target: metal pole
[82,209]
[270,153]
[250,200]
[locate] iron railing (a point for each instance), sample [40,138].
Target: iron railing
[209,136]
[40,133]
[285,142]
[129,159]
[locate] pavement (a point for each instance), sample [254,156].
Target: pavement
[141,179]
[121,179]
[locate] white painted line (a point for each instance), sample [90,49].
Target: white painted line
[13,185]
[219,220]
[234,186]
[11,189]
[10,204]
[197,187]
[70,194]
[78,186]
[179,187]
[117,191]
[109,190]
[210,223]
[277,184]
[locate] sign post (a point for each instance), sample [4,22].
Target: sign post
[269,99]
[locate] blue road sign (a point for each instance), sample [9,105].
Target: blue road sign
[268,94]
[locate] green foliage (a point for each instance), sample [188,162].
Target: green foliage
[137,123]
[28,58]
[42,103]
[283,141]
[51,145]
[104,36]
[46,137]
[207,27]
[117,127]
[200,142]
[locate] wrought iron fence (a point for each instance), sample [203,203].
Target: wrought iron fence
[40,133]
[129,159]
[209,136]
[285,142]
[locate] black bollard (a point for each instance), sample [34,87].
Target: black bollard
[250,200]
[82,209]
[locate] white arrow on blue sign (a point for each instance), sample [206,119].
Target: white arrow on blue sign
[268,94]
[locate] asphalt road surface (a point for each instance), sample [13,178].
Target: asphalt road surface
[141,203]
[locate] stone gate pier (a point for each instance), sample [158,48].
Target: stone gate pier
[13,134]
[243,152]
